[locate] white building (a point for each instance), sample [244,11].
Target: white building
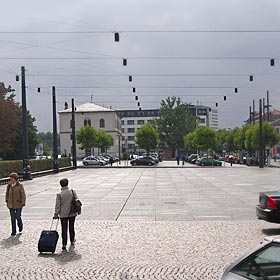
[98,117]
[131,121]
[205,116]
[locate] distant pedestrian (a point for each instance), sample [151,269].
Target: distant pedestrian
[183,160]
[111,161]
[178,159]
[63,211]
[15,199]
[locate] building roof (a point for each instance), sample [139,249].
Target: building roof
[88,107]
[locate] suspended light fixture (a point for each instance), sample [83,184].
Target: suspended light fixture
[117,36]
[124,62]
[130,78]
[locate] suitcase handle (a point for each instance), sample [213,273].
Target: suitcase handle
[56,224]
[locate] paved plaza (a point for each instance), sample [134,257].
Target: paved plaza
[142,223]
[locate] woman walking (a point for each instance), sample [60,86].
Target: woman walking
[63,211]
[15,199]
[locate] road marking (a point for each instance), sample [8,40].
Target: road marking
[243,184]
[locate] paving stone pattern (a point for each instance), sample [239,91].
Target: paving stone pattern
[131,250]
[142,223]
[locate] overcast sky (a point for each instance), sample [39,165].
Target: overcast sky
[85,63]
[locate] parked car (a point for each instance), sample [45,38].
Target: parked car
[191,157]
[154,156]
[269,206]
[208,162]
[103,159]
[92,161]
[143,161]
[252,161]
[115,159]
[262,263]
[40,157]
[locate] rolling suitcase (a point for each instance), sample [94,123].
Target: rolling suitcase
[48,240]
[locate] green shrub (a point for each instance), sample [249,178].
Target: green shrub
[8,166]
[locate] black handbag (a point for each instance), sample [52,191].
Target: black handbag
[76,205]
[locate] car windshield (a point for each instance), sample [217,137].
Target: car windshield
[265,265]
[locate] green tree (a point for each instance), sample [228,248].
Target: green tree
[189,141]
[47,140]
[175,121]
[16,151]
[104,141]
[205,138]
[87,138]
[9,120]
[251,138]
[221,138]
[270,137]
[147,137]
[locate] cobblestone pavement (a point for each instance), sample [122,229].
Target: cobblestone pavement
[132,250]
[142,223]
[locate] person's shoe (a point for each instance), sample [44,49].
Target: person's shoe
[13,234]
[63,248]
[20,229]
[73,242]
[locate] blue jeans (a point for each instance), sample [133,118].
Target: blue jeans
[16,216]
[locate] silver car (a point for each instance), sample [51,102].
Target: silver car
[93,161]
[262,263]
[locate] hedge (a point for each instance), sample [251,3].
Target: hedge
[8,166]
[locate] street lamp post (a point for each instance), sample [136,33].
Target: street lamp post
[55,153]
[25,148]
[74,152]
[261,164]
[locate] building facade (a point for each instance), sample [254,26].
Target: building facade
[132,120]
[205,116]
[100,118]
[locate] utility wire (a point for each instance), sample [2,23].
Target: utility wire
[138,58]
[141,31]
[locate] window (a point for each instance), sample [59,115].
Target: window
[131,122]
[130,138]
[102,123]
[201,112]
[140,122]
[123,138]
[200,120]
[263,263]
[122,130]
[122,122]
[87,122]
[130,130]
